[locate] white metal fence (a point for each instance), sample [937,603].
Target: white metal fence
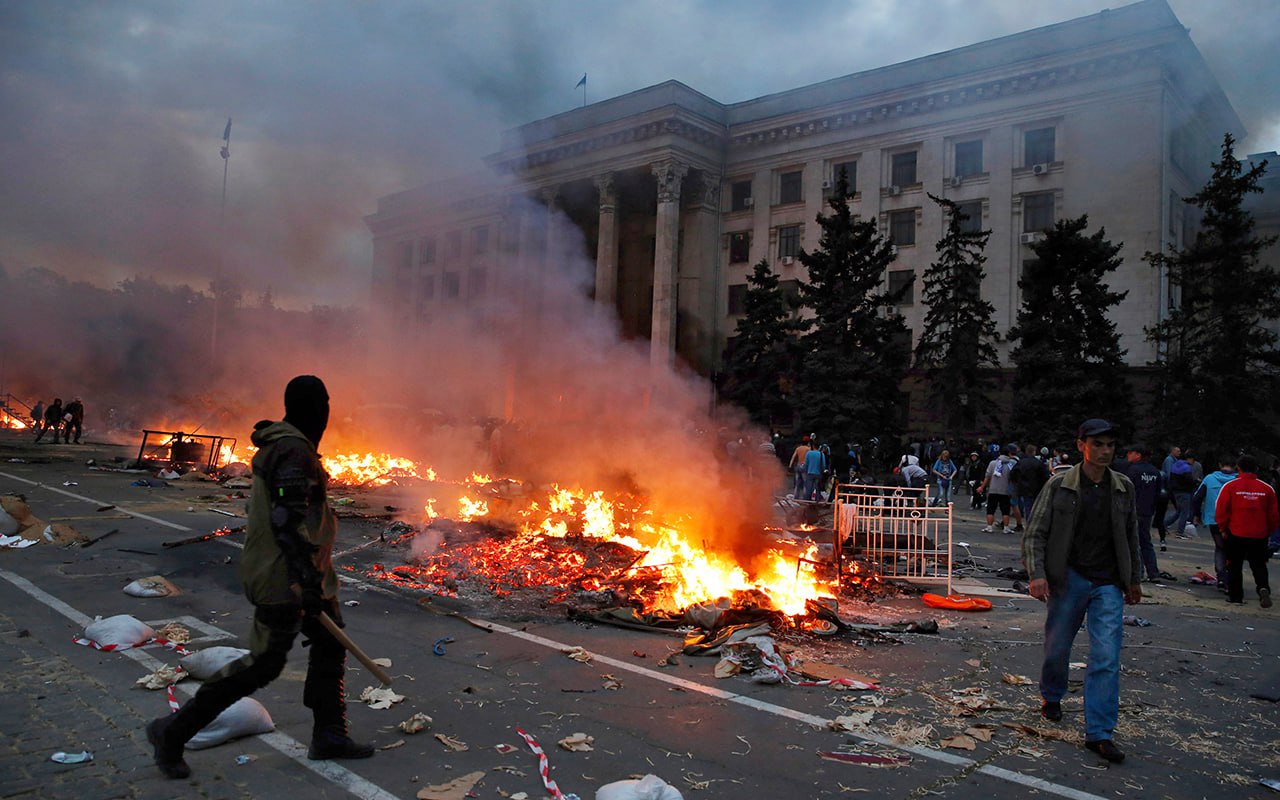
[896,530]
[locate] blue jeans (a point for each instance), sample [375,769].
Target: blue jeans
[1181,511]
[811,485]
[1145,548]
[1069,604]
[944,492]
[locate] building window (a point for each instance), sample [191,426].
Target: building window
[789,187]
[426,289]
[968,158]
[451,284]
[902,287]
[903,170]
[740,194]
[453,245]
[476,283]
[739,247]
[480,240]
[850,169]
[1038,147]
[970,216]
[902,227]
[1037,212]
[406,256]
[789,241]
[737,299]
[427,250]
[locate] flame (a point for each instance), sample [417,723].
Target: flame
[372,469]
[7,420]
[469,509]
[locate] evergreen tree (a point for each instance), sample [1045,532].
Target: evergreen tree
[1219,367]
[759,371]
[1068,365]
[957,348]
[854,357]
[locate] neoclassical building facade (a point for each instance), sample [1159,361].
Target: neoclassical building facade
[675,196]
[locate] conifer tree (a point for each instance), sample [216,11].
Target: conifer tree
[956,349]
[855,357]
[759,370]
[1218,365]
[1068,364]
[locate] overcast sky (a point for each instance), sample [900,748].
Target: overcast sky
[114,111]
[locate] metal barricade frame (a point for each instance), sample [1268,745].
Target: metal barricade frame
[901,533]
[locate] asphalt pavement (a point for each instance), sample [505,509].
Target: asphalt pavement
[1187,720]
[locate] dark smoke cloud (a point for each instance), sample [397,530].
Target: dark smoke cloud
[114,110]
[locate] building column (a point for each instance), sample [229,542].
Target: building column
[553,243]
[700,278]
[666,244]
[607,243]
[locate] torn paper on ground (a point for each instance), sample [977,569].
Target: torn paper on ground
[380,697]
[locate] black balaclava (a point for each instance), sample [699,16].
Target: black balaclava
[306,406]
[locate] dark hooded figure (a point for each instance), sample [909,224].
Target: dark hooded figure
[287,571]
[52,419]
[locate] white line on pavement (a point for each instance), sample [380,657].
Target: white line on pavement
[289,746]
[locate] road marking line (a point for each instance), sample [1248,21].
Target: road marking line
[137,514]
[1000,773]
[285,744]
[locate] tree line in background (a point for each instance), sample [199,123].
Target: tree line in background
[840,368]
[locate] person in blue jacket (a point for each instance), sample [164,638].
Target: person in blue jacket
[1202,508]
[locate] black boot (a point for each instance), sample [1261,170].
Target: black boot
[332,741]
[168,753]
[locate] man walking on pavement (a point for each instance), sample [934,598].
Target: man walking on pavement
[1246,515]
[1203,504]
[1080,550]
[287,571]
[1147,485]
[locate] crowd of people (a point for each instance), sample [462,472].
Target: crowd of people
[64,421]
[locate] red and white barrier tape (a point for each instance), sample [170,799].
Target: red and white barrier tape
[544,768]
[107,648]
[174,705]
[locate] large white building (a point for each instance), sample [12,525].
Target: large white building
[677,196]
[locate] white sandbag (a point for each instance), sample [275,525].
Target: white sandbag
[154,586]
[650,787]
[202,664]
[8,525]
[121,630]
[244,717]
[1189,530]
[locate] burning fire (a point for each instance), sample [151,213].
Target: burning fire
[372,469]
[7,420]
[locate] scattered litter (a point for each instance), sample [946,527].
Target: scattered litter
[1270,783]
[380,697]
[153,586]
[351,603]
[866,760]
[385,663]
[456,789]
[456,745]
[238,483]
[982,733]
[1078,665]
[611,683]
[415,724]
[1203,578]
[956,602]
[168,475]
[70,483]
[504,748]
[970,701]
[974,662]
[853,721]
[960,742]
[904,733]
[579,654]
[202,664]
[175,632]
[244,717]
[166,675]
[245,759]
[72,758]
[336,501]
[544,767]
[577,743]
[438,647]
[1016,680]
[650,787]
[63,535]
[17,542]
[1039,733]
[106,507]
[150,483]
[393,745]
[1136,621]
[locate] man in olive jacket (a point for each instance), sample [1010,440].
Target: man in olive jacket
[287,571]
[1080,550]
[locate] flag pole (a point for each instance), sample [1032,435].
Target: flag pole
[222,231]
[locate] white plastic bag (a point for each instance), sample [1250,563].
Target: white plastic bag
[1189,530]
[244,717]
[203,664]
[121,630]
[147,587]
[650,787]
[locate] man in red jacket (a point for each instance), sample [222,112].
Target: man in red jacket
[1246,514]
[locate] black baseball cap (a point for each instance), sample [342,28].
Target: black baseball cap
[1095,427]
